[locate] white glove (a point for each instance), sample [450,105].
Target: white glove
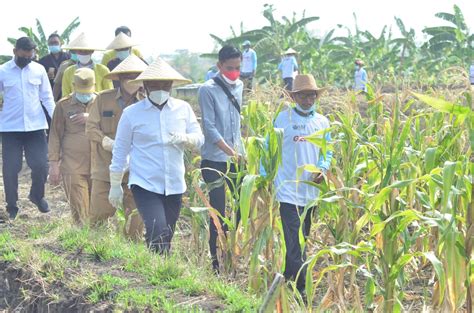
[180,139]
[107,143]
[116,190]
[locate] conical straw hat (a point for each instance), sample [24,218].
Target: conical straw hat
[132,64]
[160,70]
[306,83]
[291,51]
[81,43]
[122,41]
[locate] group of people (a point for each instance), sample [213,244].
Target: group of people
[117,139]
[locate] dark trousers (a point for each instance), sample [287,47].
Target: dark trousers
[288,83]
[160,214]
[290,218]
[211,172]
[36,153]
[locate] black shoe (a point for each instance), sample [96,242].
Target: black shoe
[42,205]
[12,211]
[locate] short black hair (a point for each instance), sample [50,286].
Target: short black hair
[123,29]
[229,52]
[25,43]
[54,35]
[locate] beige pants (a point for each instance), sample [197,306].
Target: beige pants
[78,190]
[101,209]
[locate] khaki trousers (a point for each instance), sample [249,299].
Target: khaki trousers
[102,210]
[78,190]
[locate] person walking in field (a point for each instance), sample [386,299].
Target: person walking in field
[293,194]
[153,133]
[122,45]
[471,74]
[112,53]
[101,129]
[360,76]
[288,68]
[26,91]
[84,51]
[249,66]
[56,56]
[69,148]
[220,100]
[58,79]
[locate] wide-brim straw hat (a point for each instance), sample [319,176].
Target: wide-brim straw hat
[306,82]
[81,43]
[122,41]
[84,80]
[131,65]
[160,70]
[291,51]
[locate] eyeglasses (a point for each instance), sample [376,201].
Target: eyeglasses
[304,96]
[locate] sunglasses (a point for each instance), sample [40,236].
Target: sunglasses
[304,96]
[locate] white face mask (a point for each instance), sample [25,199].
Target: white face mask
[306,111]
[159,96]
[84,59]
[129,87]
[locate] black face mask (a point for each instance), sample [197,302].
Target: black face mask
[22,61]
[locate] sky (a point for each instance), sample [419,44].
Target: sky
[161,27]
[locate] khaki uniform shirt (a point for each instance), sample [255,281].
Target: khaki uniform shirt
[103,120]
[58,80]
[68,142]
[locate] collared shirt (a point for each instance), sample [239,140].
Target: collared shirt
[298,152]
[101,83]
[25,91]
[143,133]
[249,61]
[49,61]
[220,119]
[68,142]
[104,116]
[112,54]
[210,74]
[288,66]
[360,78]
[58,80]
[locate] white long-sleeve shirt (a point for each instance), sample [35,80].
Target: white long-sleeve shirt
[143,133]
[24,90]
[298,152]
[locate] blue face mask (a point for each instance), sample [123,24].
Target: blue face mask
[84,97]
[122,55]
[74,57]
[54,49]
[306,111]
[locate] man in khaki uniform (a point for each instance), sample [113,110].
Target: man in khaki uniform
[69,147]
[101,127]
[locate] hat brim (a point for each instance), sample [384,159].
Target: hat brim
[83,48]
[115,76]
[85,90]
[176,82]
[319,91]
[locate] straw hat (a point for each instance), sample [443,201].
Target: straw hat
[132,64]
[306,83]
[122,41]
[84,80]
[160,70]
[81,43]
[291,51]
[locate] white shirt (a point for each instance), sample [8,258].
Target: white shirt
[143,133]
[296,153]
[23,92]
[288,66]
[249,61]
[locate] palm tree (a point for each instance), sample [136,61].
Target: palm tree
[40,37]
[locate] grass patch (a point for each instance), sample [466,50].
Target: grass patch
[38,231]
[103,288]
[141,299]
[7,250]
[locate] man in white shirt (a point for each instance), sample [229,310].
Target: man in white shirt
[248,67]
[23,122]
[153,133]
[471,74]
[293,193]
[289,68]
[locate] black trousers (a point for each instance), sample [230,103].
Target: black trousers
[160,214]
[36,153]
[211,172]
[295,257]
[288,83]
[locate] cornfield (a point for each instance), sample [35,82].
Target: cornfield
[393,227]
